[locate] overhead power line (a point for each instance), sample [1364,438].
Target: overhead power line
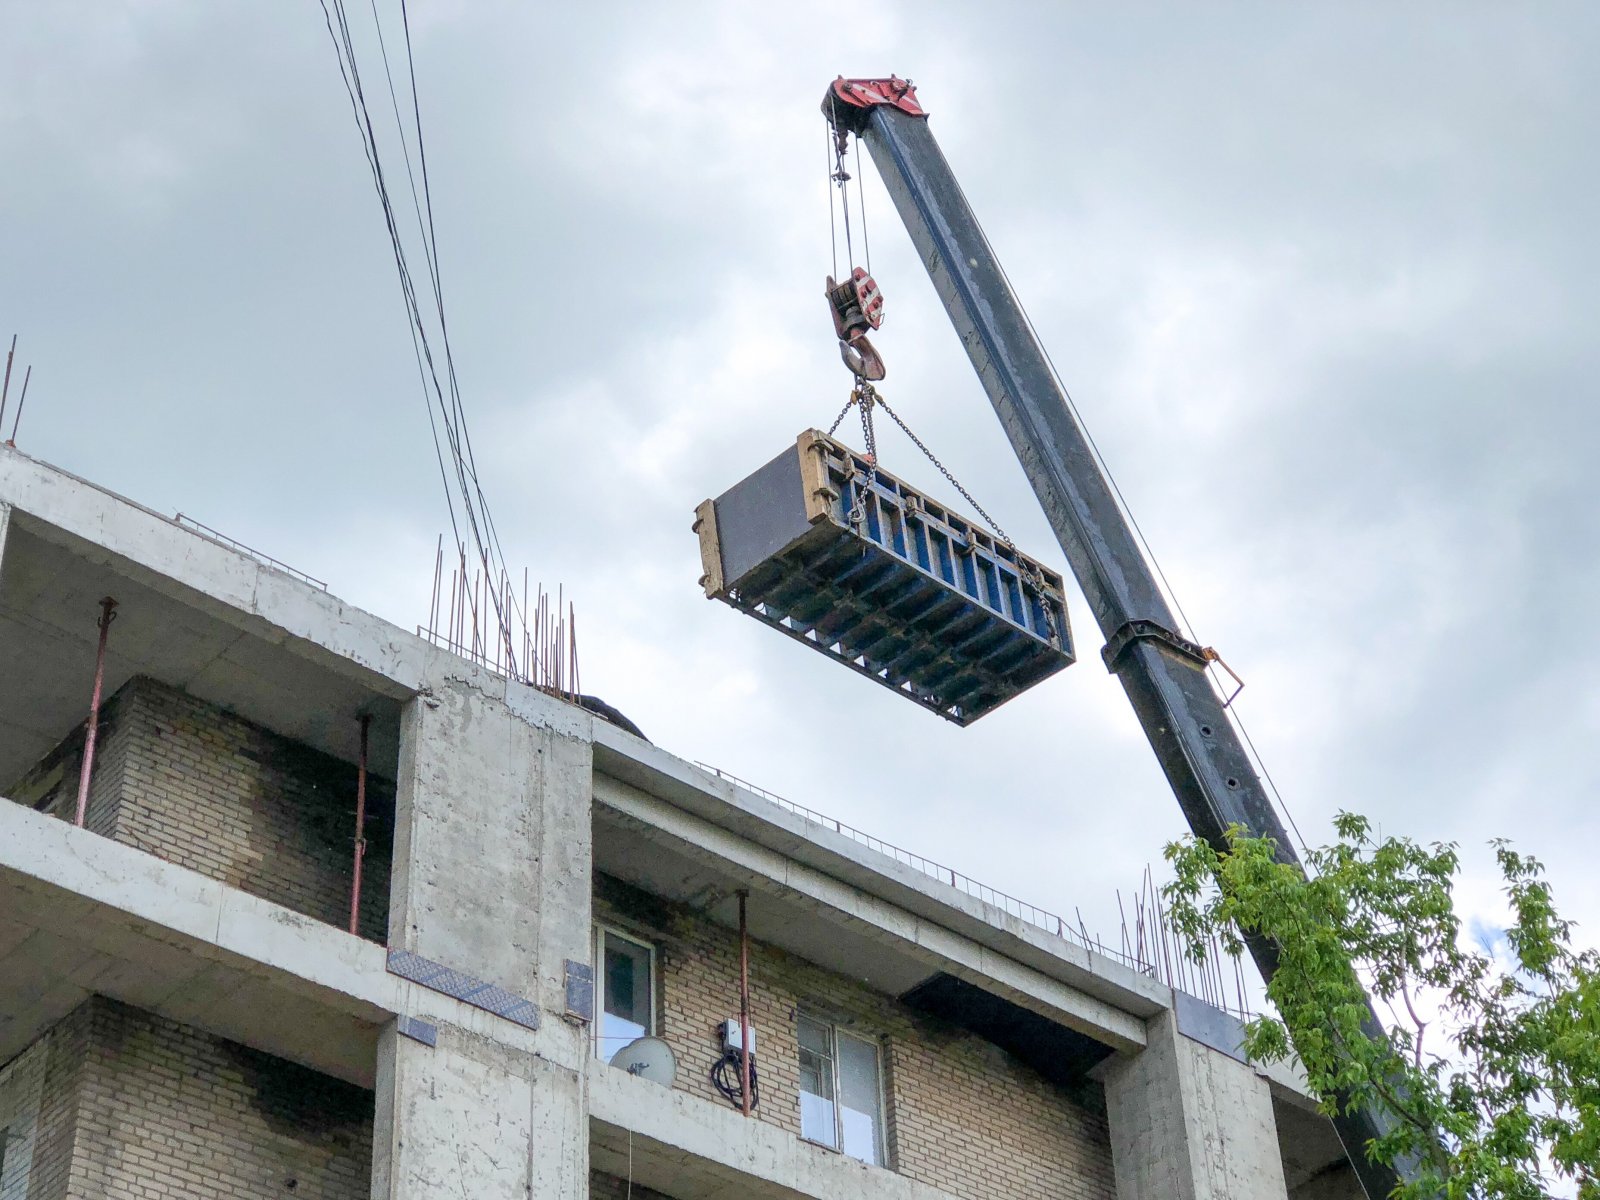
[442,396]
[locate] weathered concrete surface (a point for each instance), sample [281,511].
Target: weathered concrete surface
[1190,1123]
[622,759]
[492,840]
[218,579]
[81,914]
[686,1147]
[492,877]
[890,928]
[472,1118]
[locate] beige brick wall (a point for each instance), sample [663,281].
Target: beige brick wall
[135,1107]
[208,790]
[21,1092]
[963,1115]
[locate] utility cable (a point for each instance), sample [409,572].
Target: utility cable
[452,414]
[1126,510]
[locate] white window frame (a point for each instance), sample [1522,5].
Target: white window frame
[837,1030]
[601,932]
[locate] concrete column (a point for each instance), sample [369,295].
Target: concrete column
[470,1117]
[493,837]
[491,877]
[1190,1123]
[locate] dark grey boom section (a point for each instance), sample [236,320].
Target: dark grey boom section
[853,562]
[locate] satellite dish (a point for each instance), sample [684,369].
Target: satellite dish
[649,1058]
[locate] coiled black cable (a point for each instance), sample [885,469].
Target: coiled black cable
[725,1077]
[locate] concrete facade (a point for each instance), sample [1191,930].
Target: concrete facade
[182,1013]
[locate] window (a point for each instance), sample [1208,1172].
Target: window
[624,991]
[841,1093]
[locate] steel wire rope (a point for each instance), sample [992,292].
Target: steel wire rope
[833,231]
[841,180]
[1126,509]
[861,202]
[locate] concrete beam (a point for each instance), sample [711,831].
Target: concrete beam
[721,802]
[219,580]
[83,915]
[833,900]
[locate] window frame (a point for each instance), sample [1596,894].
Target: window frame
[839,1029]
[597,1026]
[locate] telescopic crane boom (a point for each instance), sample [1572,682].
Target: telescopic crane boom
[1163,673]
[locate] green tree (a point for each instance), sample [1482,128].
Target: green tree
[1490,1067]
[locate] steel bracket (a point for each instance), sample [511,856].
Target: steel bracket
[1139,631]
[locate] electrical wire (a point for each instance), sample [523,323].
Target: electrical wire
[1127,512]
[451,412]
[725,1077]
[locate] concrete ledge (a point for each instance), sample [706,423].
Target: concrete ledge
[922,940]
[686,1146]
[254,597]
[724,804]
[82,915]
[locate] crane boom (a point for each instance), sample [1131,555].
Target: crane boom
[1163,673]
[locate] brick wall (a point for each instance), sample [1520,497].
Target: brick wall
[21,1088]
[203,788]
[963,1115]
[135,1106]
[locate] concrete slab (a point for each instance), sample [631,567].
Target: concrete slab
[826,899]
[684,1146]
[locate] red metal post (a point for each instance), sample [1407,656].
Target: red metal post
[107,615]
[361,828]
[744,1006]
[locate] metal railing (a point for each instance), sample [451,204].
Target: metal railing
[223,539]
[1148,951]
[1031,913]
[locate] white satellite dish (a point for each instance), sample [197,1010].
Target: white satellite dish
[649,1058]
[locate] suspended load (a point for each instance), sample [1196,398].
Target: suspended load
[827,547]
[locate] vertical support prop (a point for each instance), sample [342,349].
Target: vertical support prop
[361,827]
[108,613]
[744,1006]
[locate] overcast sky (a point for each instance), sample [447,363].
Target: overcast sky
[1323,280]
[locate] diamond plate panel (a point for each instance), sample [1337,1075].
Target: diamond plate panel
[467,988]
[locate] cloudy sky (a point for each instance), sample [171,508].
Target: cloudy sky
[1323,279]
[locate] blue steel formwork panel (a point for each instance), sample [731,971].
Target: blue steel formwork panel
[907,593]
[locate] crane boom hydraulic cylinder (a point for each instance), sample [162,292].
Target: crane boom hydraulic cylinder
[1163,674]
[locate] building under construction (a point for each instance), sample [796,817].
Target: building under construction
[336,912]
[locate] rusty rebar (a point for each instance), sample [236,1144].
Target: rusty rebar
[744,1006]
[22,398]
[107,615]
[361,827]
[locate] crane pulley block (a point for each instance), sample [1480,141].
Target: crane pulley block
[825,546]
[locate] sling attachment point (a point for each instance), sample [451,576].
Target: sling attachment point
[1193,653]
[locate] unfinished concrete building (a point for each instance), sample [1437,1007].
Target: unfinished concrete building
[185,1012]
